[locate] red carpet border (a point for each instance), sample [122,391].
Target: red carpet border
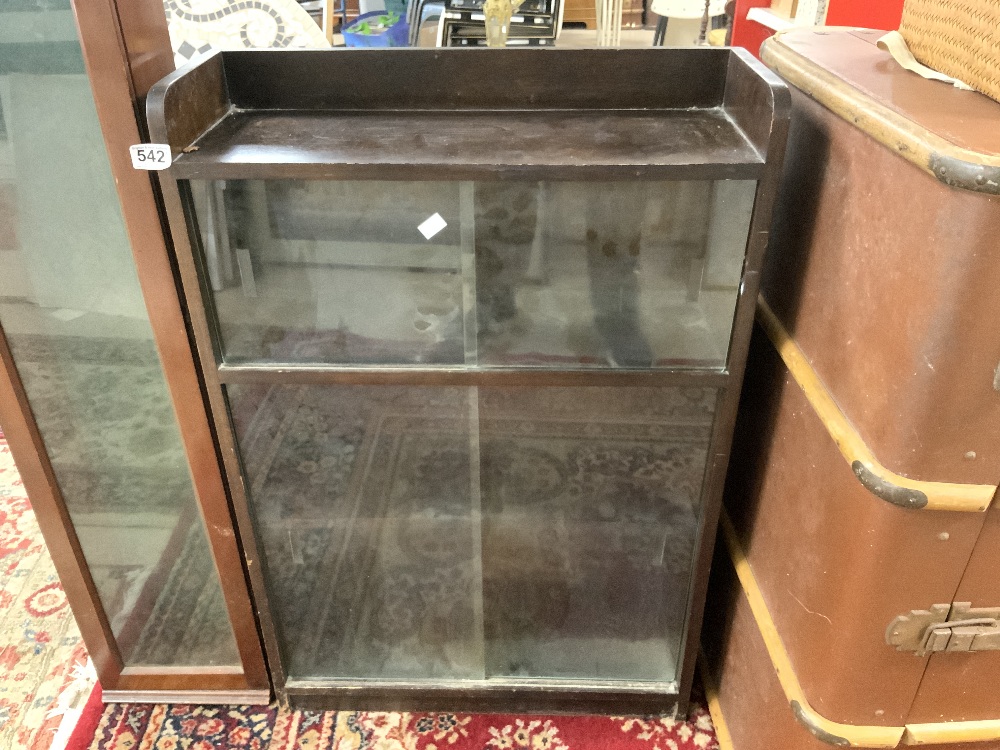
[39,641]
[182,727]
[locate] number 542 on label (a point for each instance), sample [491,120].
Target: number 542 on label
[150,155]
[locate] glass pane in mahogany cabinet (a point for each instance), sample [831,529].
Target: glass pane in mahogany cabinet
[640,274]
[73,313]
[425,533]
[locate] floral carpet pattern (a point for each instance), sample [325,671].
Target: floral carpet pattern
[105,414]
[181,727]
[39,641]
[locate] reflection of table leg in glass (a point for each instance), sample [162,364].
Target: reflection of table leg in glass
[695,234]
[614,243]
[218,256]
[609,23]
[732,206]
[467,233]
[536,261]
[219,246]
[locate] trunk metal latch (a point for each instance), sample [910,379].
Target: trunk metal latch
[946,627]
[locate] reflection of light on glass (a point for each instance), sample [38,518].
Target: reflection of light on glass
[432,226]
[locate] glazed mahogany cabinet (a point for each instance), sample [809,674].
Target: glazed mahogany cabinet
[473,326]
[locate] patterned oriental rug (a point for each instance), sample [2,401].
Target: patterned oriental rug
[41,653]
[178,727]
[107,420]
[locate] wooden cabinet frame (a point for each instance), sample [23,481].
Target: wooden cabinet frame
[186,107]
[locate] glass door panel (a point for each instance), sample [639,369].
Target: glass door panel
[73,314]
[610,275]
[524,274]
[591,500]
[366,501]
[333,271]
[424,533]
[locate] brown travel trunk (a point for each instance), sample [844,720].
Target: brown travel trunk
[867,449]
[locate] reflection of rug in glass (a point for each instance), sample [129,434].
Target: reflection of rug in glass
[107,422]
[362,497]
[339,345]
[589,517]
[403,568]
[366,501]
[105,415]
[189,623]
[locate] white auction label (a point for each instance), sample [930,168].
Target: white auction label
[432,226]
[150,155]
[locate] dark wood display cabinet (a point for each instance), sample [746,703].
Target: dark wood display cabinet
[473,326]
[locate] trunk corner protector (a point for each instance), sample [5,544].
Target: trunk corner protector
[960,173]
[808,718]
[834,733]
[947,162]
[904,497]
[831,732]
[903,492]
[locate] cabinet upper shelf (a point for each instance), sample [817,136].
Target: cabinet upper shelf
[469,114]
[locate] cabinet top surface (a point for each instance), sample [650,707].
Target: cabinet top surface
[440,114]
[679,143]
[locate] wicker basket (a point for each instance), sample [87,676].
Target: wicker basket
[957,37]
